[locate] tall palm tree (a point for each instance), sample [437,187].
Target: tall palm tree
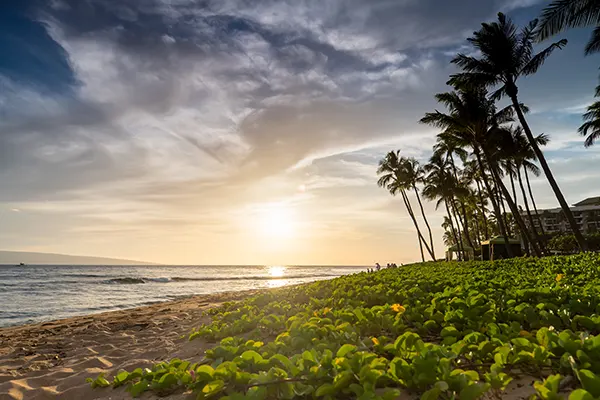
[506,55]
[446,147]
[392,177]
[591,126]
[439,186]
[561,15]
[473,120]
[413,175]
[469,119]
[472,173]
[521,155]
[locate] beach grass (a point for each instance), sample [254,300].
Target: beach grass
[519,327]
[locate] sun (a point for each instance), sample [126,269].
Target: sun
[277,221]
[277,271]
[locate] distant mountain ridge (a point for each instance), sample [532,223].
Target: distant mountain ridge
[16,257]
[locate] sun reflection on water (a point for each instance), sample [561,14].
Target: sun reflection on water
[277,271]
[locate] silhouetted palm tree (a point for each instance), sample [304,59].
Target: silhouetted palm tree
[561,15]
[591,126]
[413,175]
[446,147]
[439,186]
[507,55]
[474,122]
[467,107]
[393,178]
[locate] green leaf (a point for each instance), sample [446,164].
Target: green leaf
[213,387]
[138,388]
[167,380]
[449,331]
[204,373]
[474,391]
[589,381]
[326,389]
[251,355]
[345,349]
[581,394]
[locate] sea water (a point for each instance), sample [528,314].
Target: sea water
[35,293]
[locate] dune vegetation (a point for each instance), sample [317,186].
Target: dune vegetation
[432,330]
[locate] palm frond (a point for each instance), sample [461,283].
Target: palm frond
[465,80]
[593,45]
[538,60]
[591,127]
[557,16]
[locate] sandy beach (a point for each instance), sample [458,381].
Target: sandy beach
[51,360]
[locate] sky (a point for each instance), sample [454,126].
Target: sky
[245,132]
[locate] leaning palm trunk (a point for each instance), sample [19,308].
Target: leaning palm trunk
[529,216]
[464,212]
[460,234]
[495,205]
[512,206]
[421,248]
[512,185]
[482,210]
[414,219]
[512,92]
[410,213]
[500,200]
[426,222]
[452,226]
[537,214]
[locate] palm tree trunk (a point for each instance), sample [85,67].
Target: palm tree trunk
[464,212]
[477,230]
[501,202]
[512,206]
[537,214]
[412,216]
[421,248]
[544,164]
[512,184]
[529,216]
[452,226]
[485,222]
[493,200]
[426,222]
[457,219]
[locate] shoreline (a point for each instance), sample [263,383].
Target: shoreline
[52,359]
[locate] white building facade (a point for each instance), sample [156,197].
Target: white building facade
[553,221]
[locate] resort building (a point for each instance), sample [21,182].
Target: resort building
[586,213]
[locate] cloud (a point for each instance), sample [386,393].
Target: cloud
[166,114]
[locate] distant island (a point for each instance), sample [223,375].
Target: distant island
[17,257]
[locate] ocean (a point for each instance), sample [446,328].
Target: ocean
[36,293]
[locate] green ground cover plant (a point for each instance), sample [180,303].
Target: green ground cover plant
[443,330]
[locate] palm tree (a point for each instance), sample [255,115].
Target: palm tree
[439,186]
[414,174]
[591,126]
[560,15]
[521,155]
[392,171]
[446,147]
[474,122]
[468,107]
[506,55]
[472,173]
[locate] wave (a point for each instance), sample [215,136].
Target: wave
[142,280]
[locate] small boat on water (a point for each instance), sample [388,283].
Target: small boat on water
[21,265]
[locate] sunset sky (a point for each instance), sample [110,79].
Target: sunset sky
[244,132]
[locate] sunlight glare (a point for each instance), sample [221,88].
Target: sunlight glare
[276,271]
[276,221]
